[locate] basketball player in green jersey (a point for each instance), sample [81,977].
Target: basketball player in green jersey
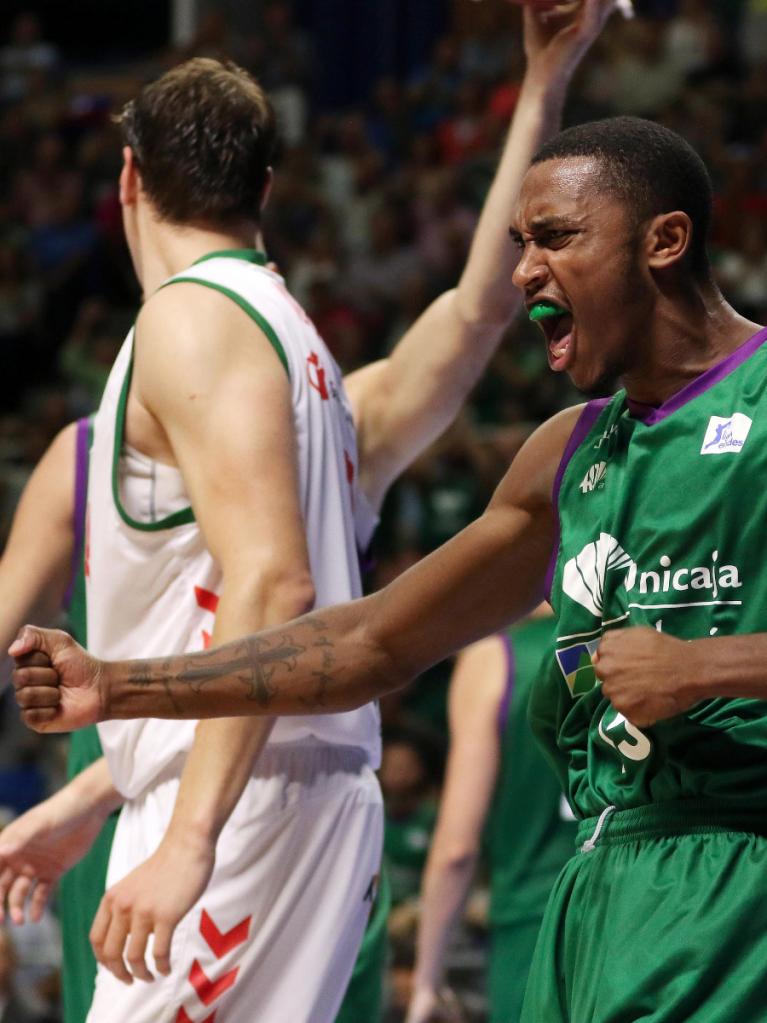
[44,578]
[501,795]
[645,510]
[554,54]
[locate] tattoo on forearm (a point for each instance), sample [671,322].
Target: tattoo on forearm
[142,673]
[259,664]
[253,664]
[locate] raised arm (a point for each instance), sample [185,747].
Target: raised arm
[405,402]
[337,658]
[477,688]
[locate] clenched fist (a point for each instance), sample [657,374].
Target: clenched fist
[647,675]
[58,685]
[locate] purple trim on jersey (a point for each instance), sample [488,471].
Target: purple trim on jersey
[508,692]
[586,420]
[81,497]
[367,561]
[650,415]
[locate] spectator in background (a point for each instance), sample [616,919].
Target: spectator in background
[742,273]
[444,224]
[642,78]
[89,351]
[12,1008]
[693,41]
[26,55]
[410,813]
[376,277]
[20,300]
[753,31]
[464,133]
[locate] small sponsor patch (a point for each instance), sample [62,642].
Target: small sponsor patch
[576,666]
[594,478]
[726,434]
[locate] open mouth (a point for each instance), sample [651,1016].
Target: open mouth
[557,325]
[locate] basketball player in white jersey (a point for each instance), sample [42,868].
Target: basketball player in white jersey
[227,493]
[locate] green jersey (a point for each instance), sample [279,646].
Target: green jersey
[530,830]
[661,519]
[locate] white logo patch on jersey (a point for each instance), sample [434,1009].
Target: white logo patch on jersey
[583,577]
[594,478]
[726,434]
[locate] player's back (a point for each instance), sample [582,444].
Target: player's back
[153,586]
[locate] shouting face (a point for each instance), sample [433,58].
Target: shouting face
[581,269]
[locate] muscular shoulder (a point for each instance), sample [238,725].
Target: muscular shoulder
[530,480]
[188,334]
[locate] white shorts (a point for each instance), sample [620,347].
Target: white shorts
[276,934]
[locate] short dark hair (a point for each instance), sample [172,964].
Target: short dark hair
[203,137]
[648,167]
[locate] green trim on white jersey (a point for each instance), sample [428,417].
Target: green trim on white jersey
[243,303]
[186,515]
[179,518]
[249,255]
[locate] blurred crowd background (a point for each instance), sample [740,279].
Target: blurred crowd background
[392,115]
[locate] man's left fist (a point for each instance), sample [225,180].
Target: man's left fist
[647,675]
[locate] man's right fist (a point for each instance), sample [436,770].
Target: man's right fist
[58,685]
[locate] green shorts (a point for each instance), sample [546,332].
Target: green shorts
[663,920]
[80,894]
[511,952]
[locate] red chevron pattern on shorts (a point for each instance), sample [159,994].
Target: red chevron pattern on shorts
[209,990]
[184,1018]
[222,942]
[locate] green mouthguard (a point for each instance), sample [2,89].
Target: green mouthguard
[543,310]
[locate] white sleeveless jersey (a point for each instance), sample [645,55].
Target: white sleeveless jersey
[153,587]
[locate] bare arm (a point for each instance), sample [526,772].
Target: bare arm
[338,658]
[476,692]
[35,569]
[37,561]
[38,847]
[405,402]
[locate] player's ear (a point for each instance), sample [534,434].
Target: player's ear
[130,181]
[667,239]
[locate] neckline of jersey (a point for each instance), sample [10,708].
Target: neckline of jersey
[248,255]
[649,415]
